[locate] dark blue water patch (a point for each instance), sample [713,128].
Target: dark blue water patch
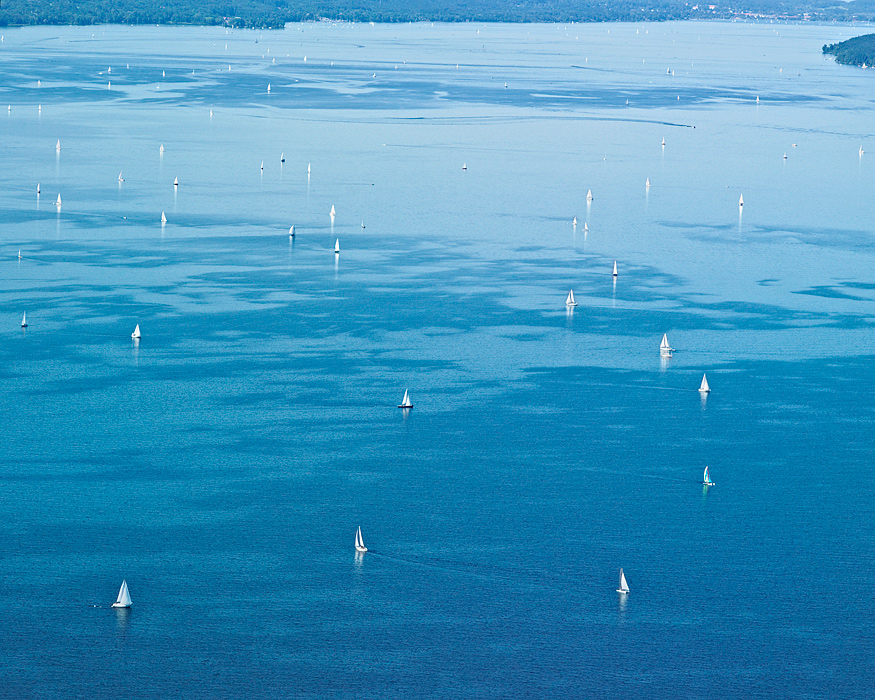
[840,291]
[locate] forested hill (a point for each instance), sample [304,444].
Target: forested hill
[275,13]
[859,51]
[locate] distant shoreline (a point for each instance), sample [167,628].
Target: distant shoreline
[263,14]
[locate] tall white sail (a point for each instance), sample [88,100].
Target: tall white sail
[136,333]
[405,402]
[570,300]
[120,178]
[332,213]
[163,218]
[58,201]
[359,542]
[647,182]
[24,320]
[624,587]
[58,146]
[703,387]
[664,348]
[589,196]
[615,268]
[124,597]
[292,232]
[176,182]
[337,246]
[741,200]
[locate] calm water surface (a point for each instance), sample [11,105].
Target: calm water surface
[223,464]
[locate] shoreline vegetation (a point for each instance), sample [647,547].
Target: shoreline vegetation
[859,51]
[274,14]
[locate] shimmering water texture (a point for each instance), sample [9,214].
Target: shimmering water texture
[222,464]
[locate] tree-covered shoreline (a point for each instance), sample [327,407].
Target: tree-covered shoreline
[859,51]
[274,14]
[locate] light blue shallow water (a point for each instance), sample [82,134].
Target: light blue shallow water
[222,465]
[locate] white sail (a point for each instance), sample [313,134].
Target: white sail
[615,268]
[136,333]
[282,157]
[292,232]
[741,200]
[706,478]
[647,182]
[161,150]
[38,188]
[308,168]
[24,320]
[704,388]
[58,202]
[574,221]
[268,87]
[262,166]
[359,542]
[120,178]
[663,142]
[337,246]
[332,212]
[405,402]
[176,182]
[585,228]
[569,301]
[624,587]
[589,195]
[124,597]
[58,146]
[664,348]
[464,166]
[163,218]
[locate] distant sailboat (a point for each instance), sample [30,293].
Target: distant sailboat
[268,87]
[58,201]
[262,166]
[332,213]
[24,320]
[124,597]
[19,254]
[120,178]
[861,148]
[359,543]
[308,169]
[703,387]
[291,232]
[665,350]
[282,157]
[337,246]
[706,479]
[136,334]
[363,224]
[585,228]
[406,402]
[163,218]
[615,268]
[38,188]
[58,145]
[161,150]
[740,200]
[176,182]
[647,182]
[624,587]
[574,221]
[569,301]
[589,196]
[663,142]
[464,166]
[785,155]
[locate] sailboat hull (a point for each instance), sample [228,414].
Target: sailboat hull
[405,405]
[120,605]
[361,549]
[620,590]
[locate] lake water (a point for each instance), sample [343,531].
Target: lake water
[222,464]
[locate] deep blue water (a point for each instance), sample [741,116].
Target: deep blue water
[222,465]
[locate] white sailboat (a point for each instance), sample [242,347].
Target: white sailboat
[589,195]
[665,350]
[332,213]
[464,166]
[574,222]
[163,218]
[262,166]
[785,155]
[24,320]
[291,232]
[161,150]
[282,157]
[120,178]
[37,188]
[569,302]
[268,87]
[176,182]
[308,169]
[124,597]
[624,587]
[703,387]
[615,268]
[363,224]
[647,183]
[337,246]
[58,145]
[136,334]
[740,200]
[861,148]
[706,478]
[585,228]
[58,201]
[359,543]
[663,142]
[406,402]
[19,253]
